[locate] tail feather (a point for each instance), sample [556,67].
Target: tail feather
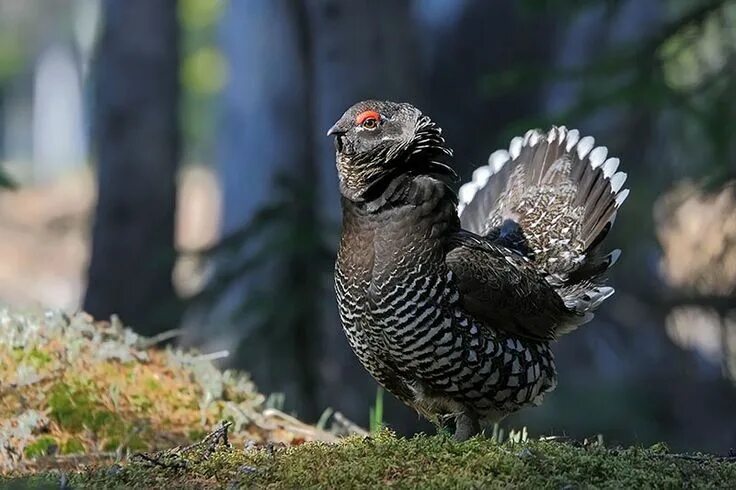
[563,192]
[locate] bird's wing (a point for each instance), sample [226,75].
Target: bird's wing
[503,289]
[552,197]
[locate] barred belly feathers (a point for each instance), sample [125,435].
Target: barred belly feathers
[451,301]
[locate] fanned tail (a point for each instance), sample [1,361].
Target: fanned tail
[553,197]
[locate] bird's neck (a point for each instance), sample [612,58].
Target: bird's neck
[421,196]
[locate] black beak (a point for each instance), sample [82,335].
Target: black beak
[335,129]
[338,133]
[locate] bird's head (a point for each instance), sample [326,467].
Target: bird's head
[378,141]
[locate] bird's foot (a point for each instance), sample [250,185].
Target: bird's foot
[466,426]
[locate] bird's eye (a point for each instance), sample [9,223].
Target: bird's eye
[368,119]
[370,123]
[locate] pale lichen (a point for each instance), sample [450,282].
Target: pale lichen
[73,386]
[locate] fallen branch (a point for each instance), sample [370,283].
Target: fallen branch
[175,458]
[294,425]
[349,426]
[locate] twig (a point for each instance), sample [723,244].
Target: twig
[160,338]
[212,356]
[349,426]
[276,413]
[219,435]
[157,460]
[292,424]
[173,458]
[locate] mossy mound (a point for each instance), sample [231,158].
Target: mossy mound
[419,462]
[74,391]
[91,404]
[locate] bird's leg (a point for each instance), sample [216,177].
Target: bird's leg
[466,426]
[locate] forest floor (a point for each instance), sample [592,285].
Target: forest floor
[386,460]
[75,392]
[91,404]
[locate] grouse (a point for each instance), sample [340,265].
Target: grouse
[451,301]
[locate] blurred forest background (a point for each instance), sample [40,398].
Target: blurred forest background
[166,161]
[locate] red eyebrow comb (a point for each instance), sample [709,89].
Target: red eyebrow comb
[360,118]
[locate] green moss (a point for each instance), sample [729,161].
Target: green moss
[427,462]
[134,398]
[76,410]
[111,445]
[152,384]
[35,357]
[38,358]
[42,482]
[138,443]
[196,434]
[42,446]
[133,440]
[74,407]
[72,446]
[141,402]
[70,406]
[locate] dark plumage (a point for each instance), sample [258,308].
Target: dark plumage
[451,305]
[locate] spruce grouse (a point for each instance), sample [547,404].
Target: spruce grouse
[451,302]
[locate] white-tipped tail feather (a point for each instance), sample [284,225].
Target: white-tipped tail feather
[563,193]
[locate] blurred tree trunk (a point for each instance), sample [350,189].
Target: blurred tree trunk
[294,68]
[468,46]
[362,50]
[266,317]
[2,120]
[137,138]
